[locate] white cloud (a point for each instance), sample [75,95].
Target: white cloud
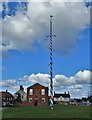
[76,81]
[69,19]
[8,83]
[83,77]
[76,84]
[34,78]
[60,80]
[16,32]
[75,87]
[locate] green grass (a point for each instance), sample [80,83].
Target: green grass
[59,111]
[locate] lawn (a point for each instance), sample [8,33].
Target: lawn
[59,111]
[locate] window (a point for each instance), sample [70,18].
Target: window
[43,91]
[31,91]
[4,98]
[43,99]
[30,99]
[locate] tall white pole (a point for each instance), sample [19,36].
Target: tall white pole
[51,62]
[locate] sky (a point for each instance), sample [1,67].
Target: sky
[24,46]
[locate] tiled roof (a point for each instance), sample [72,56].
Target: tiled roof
[63,95]
[5,94]
[37,84]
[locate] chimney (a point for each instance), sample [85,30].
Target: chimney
[21,88]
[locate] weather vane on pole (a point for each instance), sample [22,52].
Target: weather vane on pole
[51,62]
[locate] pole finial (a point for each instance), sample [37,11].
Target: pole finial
[51,16]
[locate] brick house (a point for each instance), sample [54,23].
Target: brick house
[6,98]
[37,95]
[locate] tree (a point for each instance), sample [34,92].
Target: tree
[17,101]
[90,99]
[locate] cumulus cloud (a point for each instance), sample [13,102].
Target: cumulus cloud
[16,32]
[8,83]
[76,84]
[20,33]
[12,85]
[34,78]
[82,77]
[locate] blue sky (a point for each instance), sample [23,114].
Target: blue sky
[28,62]
[26,56]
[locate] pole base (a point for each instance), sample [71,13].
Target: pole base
[51,108]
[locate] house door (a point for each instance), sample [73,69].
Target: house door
[36,102]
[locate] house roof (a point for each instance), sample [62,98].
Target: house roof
[37,85]
[5,94]
[63,95]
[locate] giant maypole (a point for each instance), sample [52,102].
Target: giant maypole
[51,62]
